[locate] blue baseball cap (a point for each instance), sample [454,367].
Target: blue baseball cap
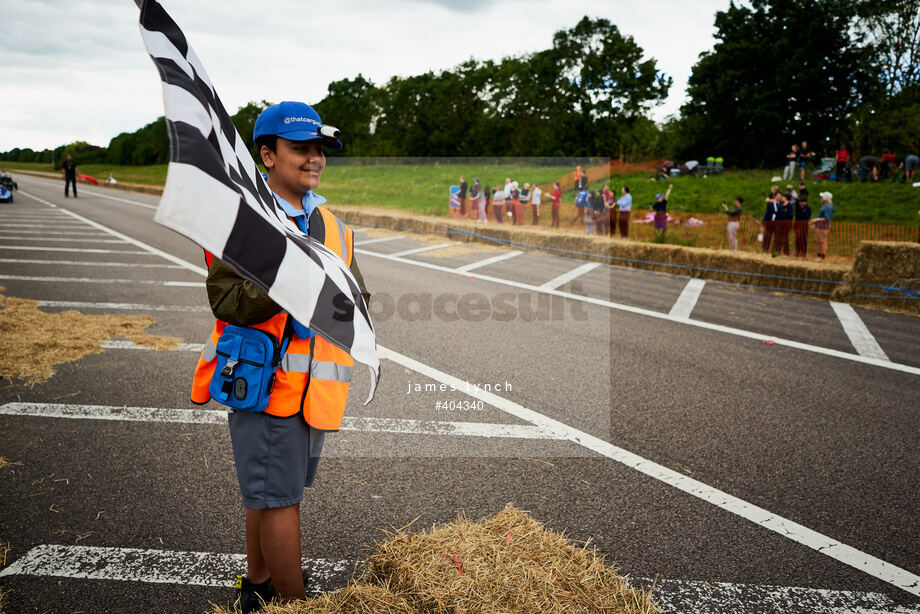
[295,121]
[659,195]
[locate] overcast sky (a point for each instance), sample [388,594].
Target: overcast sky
[77,69]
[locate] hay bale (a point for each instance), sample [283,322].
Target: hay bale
[32,342]
[731,266]
[886,269]
[507,563]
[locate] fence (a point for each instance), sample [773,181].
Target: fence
[843,239]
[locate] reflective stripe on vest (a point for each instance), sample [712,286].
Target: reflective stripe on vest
[315,382]
[339,241]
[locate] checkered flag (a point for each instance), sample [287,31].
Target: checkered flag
[216,196]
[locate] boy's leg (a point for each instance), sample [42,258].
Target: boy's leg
[276,533]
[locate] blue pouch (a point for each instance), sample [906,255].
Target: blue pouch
[245,373]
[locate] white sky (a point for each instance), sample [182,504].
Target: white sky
[77,69]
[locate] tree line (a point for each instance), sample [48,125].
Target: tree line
[830,72]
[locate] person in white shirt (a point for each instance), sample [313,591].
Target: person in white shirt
[535,196]
[498,204]
[625,205]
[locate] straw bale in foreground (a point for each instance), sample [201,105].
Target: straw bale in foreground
[507,563]
[32,341]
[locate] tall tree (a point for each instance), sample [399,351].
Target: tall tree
[893,27]
[781,71]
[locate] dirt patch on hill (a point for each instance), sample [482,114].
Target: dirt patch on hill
[33,342]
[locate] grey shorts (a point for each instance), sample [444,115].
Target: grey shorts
[910,162]
[276,458]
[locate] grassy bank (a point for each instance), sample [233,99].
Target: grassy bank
[148,175]
[423,189]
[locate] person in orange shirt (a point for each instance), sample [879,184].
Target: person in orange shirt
[556,197]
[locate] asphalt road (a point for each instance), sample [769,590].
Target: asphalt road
[632,409]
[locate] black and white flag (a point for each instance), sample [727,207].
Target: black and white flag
[216,196]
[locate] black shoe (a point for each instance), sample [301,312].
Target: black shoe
[251,597]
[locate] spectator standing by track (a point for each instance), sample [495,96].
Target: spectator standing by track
[804,154]
[784,215]
[769,218]
[69,170]
[624,204]
[498,204]
[462,196]
[661,210]
[800,225]
[792,161]
[822,223]
[841,162]
[536,196]
[556,197]
[734,220]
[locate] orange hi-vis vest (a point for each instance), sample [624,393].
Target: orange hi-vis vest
[314,375]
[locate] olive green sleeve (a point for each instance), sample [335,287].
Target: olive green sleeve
[360,279]
[237,300]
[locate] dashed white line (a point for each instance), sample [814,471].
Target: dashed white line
[378,240]
[59,240]
[86,232]
[154,566]
[685,303]
[419,250]
[166,256]
[856,331]
[73,250]
[133,265]
[104,280]
[488,261]
[218,570]
[122,306]
[364,424]
[885,364]
[121,200]
[569,276]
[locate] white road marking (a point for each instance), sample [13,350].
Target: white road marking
[156,566]
[858,333]
[219,570]
[103,280]
[90,263]
[789,529]
[403,426]
[685,303]
[122,306]
[786,528]
[121,200]
[488,261]
[378,240]
[419,250]
[74,250]
[702,597]
[569,275]
[58,240]
[88,232]
[885,364]
[174,259]
[39,229]
[122,344]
